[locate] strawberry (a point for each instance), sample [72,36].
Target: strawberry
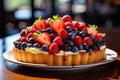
[23,39]
[40,24]
[75,24]
[42,38]
[69,24]
[92,30]
[63,34]
[81,26]
[57,24]
[78,40]
[32,29]
[53,49]
[23,33]
[59,41]
[99,36]
[88,40]
[48,21]
[29,35]
[66,18]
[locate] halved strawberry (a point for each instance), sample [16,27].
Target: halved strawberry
[53,49]
[92,30]
[78,40]
[40,24]
[43,38]
[59,41]
[57,25]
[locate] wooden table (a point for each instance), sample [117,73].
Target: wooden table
[11,71]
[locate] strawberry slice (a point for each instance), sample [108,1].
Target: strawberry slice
[40,24]
[53,49]
[57,25]
[43,38]
[92,30]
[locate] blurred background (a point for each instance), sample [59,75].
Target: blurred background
[18,14]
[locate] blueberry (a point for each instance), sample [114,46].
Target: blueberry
[44,48]
[89,50]
[23,45]
[80,47]
[15,43]
[30,45]
[91,36]
[74,49]
[82,34]
[31,40]
[72,35]
[18,45]
[70,43]
[68,28]
[85,46]
[94,47]
[66,48]
[76,31]
[36,45]
[49,30]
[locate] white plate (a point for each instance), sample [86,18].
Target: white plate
[109,57]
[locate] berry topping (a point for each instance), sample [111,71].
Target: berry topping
[23,39]
[59,41]
[69,24]
[23,33]
[74,49]
[75,24]
[36,45]
[63,34]
[68,28]
[57,24]
[53,49]
[30,35]
[43,38]
[40,24]
[44,48]
[88,40]
[66,18]
[23,45]
[78,40]
[31,40]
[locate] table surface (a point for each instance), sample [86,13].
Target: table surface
[11,71]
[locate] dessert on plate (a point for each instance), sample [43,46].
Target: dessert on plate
[60,41]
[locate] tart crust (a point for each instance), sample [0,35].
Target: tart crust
[59,60]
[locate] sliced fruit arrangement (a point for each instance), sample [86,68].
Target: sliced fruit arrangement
[60,33]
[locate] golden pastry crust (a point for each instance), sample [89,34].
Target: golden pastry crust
[59,60]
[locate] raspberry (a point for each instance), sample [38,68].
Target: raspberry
[81,26]
[78,40]
[66,18]
[23,33]
[29,35]
[69,24]
[75,23]
[32,29]
[23,39]
[53,49]
[59,41]
[99,36]
[88,40]
[63,34]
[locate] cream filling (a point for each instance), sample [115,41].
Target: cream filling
[61,52]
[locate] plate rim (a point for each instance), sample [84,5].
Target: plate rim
[7,53]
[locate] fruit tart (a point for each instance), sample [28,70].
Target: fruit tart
[60,41]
